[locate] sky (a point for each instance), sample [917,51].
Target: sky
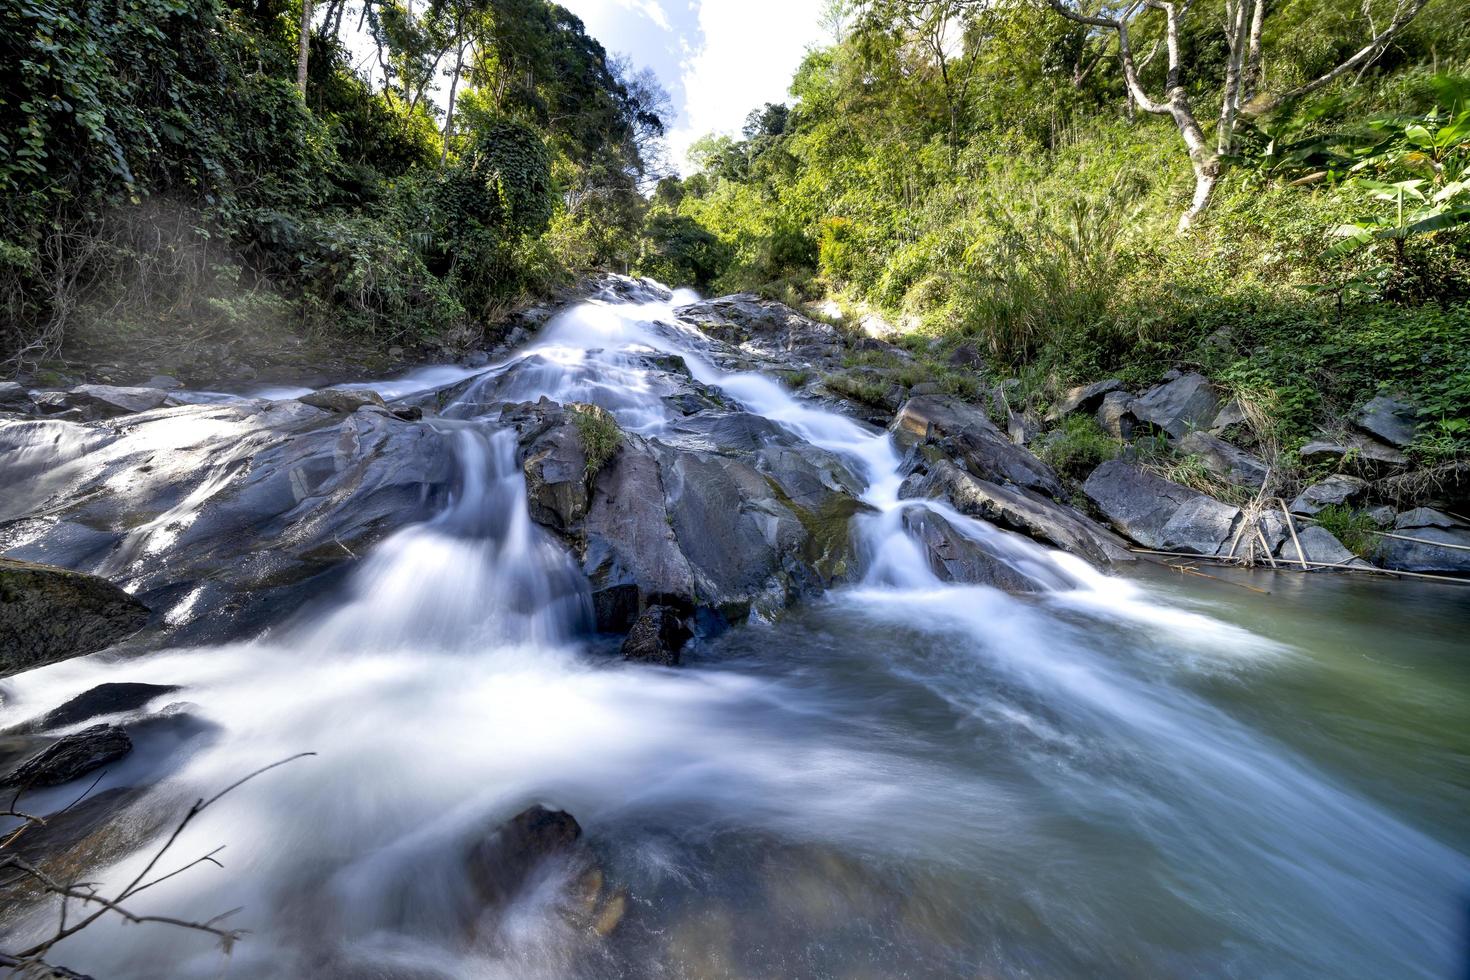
[718,58]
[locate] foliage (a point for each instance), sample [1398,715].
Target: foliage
[1352,527]
[600,434]
[1078,447]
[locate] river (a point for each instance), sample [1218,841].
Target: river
[1136,774]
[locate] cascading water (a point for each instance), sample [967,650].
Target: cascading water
[906,779]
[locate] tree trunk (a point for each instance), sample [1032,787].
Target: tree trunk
[1205,176]
[303,51]
[449,115]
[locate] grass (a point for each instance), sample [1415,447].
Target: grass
[1078,447]
[601,436]
[1352,527]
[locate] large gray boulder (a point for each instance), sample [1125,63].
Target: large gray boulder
[1338,489]
[1389,420]
[966,434]
[1084,398]
[14,397]
[1025,511]
[1361,451]
[765,330]
[1158,513]
[1440,543]
[1115,415]
[1224,460]
[344,400]
[1188,402]
[1319,546]
[49,614]
[961,558]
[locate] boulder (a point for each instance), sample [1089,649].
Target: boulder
[1383,516]
[1230,415]
[342,400]
[874,326]
[1224,460]
[1022,429]
[1337,489]
[966,434]
[1084,398]
[1185,403]
[765,329]
[657,637]
[1424,517]
[71,757]
[14,397]
[163,382]
[1440,544]
[556,476]
[958,557]
[1115,415]
[1320,546]
[501,863]
[1365,452]
[105,401]
[1143,506]
[48,614]
[104,699]
[1388,420]
[1021,510]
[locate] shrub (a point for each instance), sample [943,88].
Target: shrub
[600,433]
[1078,447]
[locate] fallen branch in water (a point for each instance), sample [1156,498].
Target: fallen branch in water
[32,961]
[1309,565]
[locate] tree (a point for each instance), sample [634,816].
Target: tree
[1244,26]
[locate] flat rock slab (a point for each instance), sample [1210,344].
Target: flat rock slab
[966,434]
[50,614]
[1187,403]
[1224,460]
[1152,510]
[1084,398]
[1353,448]
[1441,544]
[104,699]
[1338,489]
[1321,546]
[1389,420]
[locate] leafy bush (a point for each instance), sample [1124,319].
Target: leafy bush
[1352,527]
[601,436]
[1078,447]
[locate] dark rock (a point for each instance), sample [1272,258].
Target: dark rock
[765,329]
[1389,420]
[1144,507]
[1319,545]
[1115,415]
[71,757]
[343,400]
[163,382]
[501,863]
[957,557]
[1441,544]
[657,637]
[1230,415]
[49,614]
[966,433]
[1424,517]
[408,413]
[104,699]
[1224,460]
[14,397]
[1022,429]
[1382,516]
[556,476]
[1021,510]
[104,401]
[1185,403]
[1084,398]
[966,355]
[1365,452]
[1335,490]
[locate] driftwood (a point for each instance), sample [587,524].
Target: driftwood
[1309,565]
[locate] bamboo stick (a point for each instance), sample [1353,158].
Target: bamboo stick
[1301,555]
[1374,569]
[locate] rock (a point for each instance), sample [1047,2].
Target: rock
[1115,415]
[163,382]
[765,329]
[1024,511]
[1389,420]
[1424,517]
[501,863]
[967,434]
[1185,403]
[104,699]
[1319,545]
[873,325]
[1229,416]
[1381,516]
[49,614]
[966,355]
[1335,490]
[343,400]
[957,557]
[14,397]
[1144,506]
[1224,460]
[1022,429]
[71,757]
[104,401]
[556,476]
[657,637]
[1084,398]
[408,413]
[1366,453]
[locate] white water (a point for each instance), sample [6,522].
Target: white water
[1043,766]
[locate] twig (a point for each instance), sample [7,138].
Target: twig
[1371,569]
[1291,526]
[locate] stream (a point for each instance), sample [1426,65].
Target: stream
[1131,774]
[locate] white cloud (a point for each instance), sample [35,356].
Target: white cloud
[650,9]
[750,50]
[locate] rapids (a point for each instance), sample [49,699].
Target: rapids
[1124,776]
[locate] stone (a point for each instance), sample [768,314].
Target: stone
[657,637]
[1230,415]
[966,434]
[1143,505]
[343,400]
[49,614]
[1185,403]
[1424,517]
[1022,429]
[1388,420]
[1084,398]
[1320,546]
[1224,460]
[1338,489]
[556,476]
[966,355]
[1436,548]
[1024,511]
[14,397]
[71,757]
[1366,453]
[1115,415]
[163,382]
[501,863]
[104,401]
[874,326]
[1382,516]
[957,557]
[104,699]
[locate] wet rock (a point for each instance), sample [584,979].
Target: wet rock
[965,433]
[556,476]
[163,382]
[343,400]
[957,557]
[104,699]
[1335,490]
[49,614]
[1143,506]
[1224,460]
[1084,398]
[1320,546]
[71,757]
[1388,420]
[657,637]
[1186,403]
[408,413]
[765,329]
[1115,415]
[1440,543]
[1024,511]
[1360,450]
[501,863]
[104,401]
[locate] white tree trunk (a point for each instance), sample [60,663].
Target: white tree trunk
[303,51]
